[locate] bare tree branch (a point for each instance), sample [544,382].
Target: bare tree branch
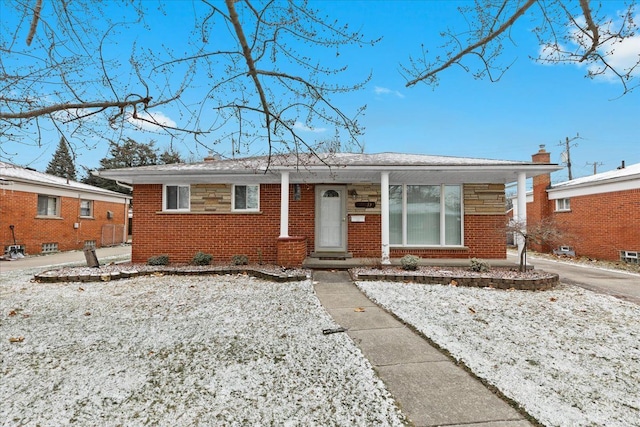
[34,22]
[491,36]
[237,76]
[591,26]
[568,33]
[72,106]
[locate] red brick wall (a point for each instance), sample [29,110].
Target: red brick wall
[256,234]
[222,235]
[600,225]
[484,236]
[20,209]
[301,214]
[364,238]
[291,251]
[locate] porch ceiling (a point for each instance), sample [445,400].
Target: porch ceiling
[346,176]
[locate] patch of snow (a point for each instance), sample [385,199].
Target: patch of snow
[568,356]
[178,350]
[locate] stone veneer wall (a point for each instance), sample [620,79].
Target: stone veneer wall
[363,193]
[484,199]
[210,198]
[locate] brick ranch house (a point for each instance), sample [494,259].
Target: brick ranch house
[599,214]
[287,208]
[51,214]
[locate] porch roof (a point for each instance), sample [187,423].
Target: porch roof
[334,168]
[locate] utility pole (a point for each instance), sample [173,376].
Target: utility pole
[595,165]
[567,150]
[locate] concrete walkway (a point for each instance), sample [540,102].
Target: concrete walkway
[428,386]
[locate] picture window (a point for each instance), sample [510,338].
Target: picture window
[425,215]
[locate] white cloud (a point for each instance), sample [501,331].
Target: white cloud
[622,55]
[151,121]
[385,91]
[304,128]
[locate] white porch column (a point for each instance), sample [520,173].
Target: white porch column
[522,208]
[284,204]
[384,216]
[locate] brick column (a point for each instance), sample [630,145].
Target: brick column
[292,251]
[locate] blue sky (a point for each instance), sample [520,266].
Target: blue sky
[532,104]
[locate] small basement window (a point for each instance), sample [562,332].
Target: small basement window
[49,248]
[563,205]
[89,244]
[632,257]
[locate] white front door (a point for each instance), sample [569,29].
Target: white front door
[331,224]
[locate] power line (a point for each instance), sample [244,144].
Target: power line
[595,166]
[567,152]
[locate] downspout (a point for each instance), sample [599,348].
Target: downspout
[129,187]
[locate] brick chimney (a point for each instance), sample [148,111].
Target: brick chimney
[541,206]
[542,156]
[212,157]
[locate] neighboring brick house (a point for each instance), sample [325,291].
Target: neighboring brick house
[50,214]
[284,209]
[599,215]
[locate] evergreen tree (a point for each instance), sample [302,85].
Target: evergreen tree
[61,163]
[127,154]
[169,156]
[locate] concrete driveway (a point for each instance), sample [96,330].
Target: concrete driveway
[619,284]
[64,258]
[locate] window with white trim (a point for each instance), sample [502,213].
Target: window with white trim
[425,215]
[176,198]
[86,208]
[563,205]
[48,205]
[246,198]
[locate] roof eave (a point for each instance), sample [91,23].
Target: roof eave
[69,187]
[133,176]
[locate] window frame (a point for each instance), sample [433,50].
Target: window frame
[49,197]
[442,238]
[233,198]
[566,205]
[90,202]
[165,199]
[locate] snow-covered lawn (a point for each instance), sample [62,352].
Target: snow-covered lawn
[569,356]
[176,350]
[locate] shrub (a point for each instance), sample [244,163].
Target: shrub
[409,262]
[200,258]
[239,260]
[479,265]
[158,260]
